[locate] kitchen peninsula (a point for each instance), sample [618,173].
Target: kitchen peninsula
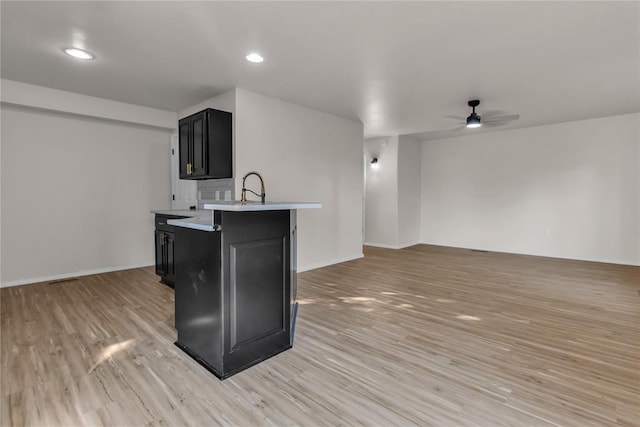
[235,283]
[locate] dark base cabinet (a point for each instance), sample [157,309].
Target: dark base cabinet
[165,236]
[235,289]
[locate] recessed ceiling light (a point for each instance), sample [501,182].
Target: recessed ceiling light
[78,53]
[254,57]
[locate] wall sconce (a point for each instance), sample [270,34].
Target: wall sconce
[374,163]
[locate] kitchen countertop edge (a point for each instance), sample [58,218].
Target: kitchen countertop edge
[202,219]
[235,206]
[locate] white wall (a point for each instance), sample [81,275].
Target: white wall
[305,155]
[392,207]
[381,192]
[569,190]
[44,98]
[409,191]
[226,101]
[76,194]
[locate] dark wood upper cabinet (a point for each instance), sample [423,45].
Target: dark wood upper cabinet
[206,145]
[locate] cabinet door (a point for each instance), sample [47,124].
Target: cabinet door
[184,142]
[206,145]
[159,251]
[257,285]
[199,140]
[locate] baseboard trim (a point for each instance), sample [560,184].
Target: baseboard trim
[41,279]
[327,263]
[382,245]
[538,254]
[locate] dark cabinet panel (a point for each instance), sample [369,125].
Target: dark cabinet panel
[165,248]
[256,291]
[170,270]
[164,256]
[159,253]
[184,136]
[199,146]
[257,279]
[233,290]
[221,150]
[198,294]
[206,145]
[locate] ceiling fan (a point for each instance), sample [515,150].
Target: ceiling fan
[489,119]
[474,120]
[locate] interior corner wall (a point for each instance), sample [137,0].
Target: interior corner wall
[305,155]
[568,190]
[409,191]
[381,192]
[225,101]
[77,194]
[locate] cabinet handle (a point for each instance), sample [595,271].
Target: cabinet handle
[189,169]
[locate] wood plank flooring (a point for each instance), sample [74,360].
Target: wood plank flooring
[426,336]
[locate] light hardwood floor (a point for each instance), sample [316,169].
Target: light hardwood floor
[425,335]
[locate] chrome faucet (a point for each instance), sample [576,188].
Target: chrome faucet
[244,189]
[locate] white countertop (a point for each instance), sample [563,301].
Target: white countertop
[182,212]
[202,219]
[237,206]
[202,223]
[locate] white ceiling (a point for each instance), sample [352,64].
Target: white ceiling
[399,67]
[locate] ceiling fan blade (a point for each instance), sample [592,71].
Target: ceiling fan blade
[435,134]
[505,118]
[494,124]
[462,119]
[492,113]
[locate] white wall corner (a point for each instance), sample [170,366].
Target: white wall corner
[325,263]
[381,191]
[225,101]
[383,245]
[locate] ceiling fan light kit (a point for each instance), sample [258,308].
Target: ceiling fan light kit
[474,120]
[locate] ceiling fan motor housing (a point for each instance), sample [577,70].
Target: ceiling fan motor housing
[473,121]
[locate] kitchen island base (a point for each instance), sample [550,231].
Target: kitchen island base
[235,289]
[227,374]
